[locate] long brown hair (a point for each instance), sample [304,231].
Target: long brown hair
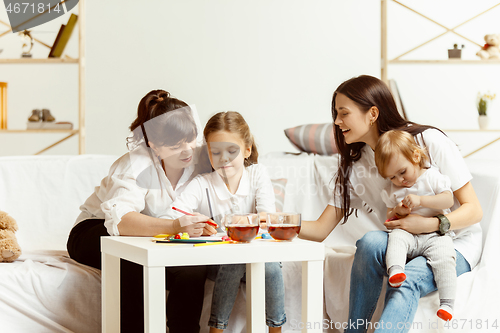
[365,91]
[233,122]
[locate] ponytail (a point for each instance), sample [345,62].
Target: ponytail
[154,104]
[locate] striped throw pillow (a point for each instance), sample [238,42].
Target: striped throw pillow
[313,138]
[279,186]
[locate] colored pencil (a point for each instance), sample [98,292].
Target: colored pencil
[213,224]
[209,205]
[213,243]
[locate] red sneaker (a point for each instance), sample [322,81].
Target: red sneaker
[445,315]
[397,280]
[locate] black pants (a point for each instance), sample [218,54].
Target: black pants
[185,283]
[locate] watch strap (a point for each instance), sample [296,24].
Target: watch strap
[444,224]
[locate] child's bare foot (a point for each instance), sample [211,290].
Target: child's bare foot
[274,329]
[215,330]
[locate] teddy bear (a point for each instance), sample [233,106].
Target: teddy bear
[9,248]
[490,50]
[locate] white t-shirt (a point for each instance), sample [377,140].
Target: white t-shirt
[133,184]
[367,185]
[255,194]
[430,183]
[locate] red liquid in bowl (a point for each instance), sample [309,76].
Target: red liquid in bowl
[284,231]
[242,233]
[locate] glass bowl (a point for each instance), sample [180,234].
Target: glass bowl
[242,227]
[283,226]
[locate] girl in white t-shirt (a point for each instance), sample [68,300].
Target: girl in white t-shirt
[131,201]
[238,185]
[419,189]
[363,109]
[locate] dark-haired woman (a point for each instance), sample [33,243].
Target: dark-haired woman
[363,109]
[132,200]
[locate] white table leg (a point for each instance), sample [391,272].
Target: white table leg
[312,296]
[110,293]
[155,319]
[256,313]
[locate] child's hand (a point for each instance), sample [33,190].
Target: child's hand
[411,201]
[401,211]
[208,229]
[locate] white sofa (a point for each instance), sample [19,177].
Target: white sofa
[45,291]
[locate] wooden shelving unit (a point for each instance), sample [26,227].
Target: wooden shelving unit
[80,131]
[447,62]
[39,61]
[385,61]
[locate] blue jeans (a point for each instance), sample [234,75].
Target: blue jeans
[226,288]
[368,271]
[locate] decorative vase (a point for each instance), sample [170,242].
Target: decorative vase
[483,121]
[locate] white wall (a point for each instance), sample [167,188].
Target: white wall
[445,95]
[275,61]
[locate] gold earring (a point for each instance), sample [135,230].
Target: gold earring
[371,122]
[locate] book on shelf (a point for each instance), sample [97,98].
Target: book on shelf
[51,53]
[44,125]
[63,37]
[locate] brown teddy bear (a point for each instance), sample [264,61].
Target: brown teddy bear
[9,248]
[490,50]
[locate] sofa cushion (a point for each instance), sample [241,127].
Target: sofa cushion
[44,193]
[313,138]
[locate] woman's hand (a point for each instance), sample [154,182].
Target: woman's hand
[194,230]
[186,220]
[414,224]
[194,226]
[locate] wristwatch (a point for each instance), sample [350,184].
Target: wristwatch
[444,224]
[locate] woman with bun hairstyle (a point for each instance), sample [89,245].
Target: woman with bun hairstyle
[134,199]
[363,109]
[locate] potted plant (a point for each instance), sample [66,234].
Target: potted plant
[483,101]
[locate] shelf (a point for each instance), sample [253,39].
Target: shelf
[61,135]
[39,131]
[447,61]
[385,61]
[471,130]
[39,61]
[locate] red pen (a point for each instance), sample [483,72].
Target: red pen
[213,224]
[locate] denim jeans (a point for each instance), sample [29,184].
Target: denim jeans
[368,271]
[226,288]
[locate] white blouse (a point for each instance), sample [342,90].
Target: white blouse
[367,186]
[133,184]
[255,194]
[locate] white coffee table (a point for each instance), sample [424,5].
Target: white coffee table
[156,256]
